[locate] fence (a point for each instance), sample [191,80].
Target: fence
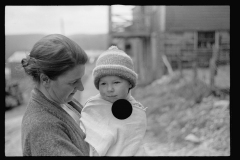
[201,58]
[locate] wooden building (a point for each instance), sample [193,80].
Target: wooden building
[181,33]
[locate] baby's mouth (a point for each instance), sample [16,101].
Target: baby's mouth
[112,96]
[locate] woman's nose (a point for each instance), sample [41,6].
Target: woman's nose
[80,86]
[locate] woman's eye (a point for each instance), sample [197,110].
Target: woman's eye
[73,83]
[116,82]
[102,83]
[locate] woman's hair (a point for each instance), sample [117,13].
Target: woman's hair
[53,55]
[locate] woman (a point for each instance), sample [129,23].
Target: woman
[50,125]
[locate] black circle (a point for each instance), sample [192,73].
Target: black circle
[122,109]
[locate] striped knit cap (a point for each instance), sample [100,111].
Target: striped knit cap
[114,62]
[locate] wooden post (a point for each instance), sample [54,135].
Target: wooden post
[213,66]
[168,65]
[147,60]
[195,54]
[137,54]
[180,63]
[140,60]
[154,54]
[160,39]
[161,51]
[195,75]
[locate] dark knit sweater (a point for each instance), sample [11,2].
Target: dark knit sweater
[48,130]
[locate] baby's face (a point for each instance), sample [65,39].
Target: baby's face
[112,88]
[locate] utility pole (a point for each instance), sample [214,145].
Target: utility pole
[62,26]
[109,26]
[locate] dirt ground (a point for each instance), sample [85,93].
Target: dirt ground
[185,142]
[186,117]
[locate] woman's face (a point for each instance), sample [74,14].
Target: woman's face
[65,86]
[112,88]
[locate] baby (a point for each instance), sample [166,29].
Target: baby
[107,135]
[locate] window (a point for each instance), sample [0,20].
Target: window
[206,40]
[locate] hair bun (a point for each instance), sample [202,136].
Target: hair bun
[24,62]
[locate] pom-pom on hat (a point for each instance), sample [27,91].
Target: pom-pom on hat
[114,62]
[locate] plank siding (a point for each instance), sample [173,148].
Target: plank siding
[179,40]
[184,18]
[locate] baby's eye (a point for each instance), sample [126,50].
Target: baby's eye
[102,83]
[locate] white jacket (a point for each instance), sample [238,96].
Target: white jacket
[109,136]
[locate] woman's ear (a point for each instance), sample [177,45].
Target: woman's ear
[44,80]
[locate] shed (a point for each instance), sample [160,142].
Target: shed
[185,33]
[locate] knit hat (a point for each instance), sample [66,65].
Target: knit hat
[114,62]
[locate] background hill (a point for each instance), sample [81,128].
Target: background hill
[15,43]
[91,42]
[24,42]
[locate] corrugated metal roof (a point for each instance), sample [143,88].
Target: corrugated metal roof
[181,18]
